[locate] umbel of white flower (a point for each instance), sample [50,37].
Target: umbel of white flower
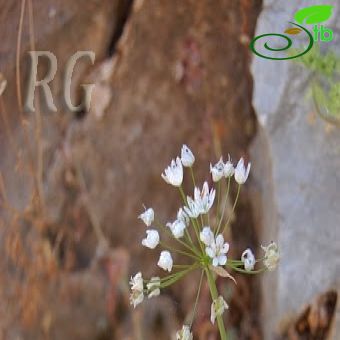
[241,173]
[173,174]
[153,287]
[217,250]
[187,157]
[217,171]
[248,259]
[271,256]
[198,237]
[218,307]
[137,295]
[165,261]
[147,216]
[152,239]
[184,333]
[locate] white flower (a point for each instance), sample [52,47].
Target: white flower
[182,216]
[165,261]
[228,170]
[207,236]
[204,199]
[173,174]
[217,170]
[177,228]
[248,259]
[218,307]
[217,250]
[193,209]
[137,295]
[136,282]
[184,333]
[241,173]
[147,216]
[272,256]
[152,239]
[187,156]
[153,286]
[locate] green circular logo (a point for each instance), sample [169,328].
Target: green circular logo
[288,42]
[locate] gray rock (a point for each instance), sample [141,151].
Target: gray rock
[297,171]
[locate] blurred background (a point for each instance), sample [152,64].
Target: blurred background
[166,73]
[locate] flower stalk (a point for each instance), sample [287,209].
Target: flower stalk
[214,295]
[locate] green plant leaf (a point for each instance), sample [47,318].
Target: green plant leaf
[313,14]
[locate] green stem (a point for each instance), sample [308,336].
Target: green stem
[218,199]
[179,251]
[180,275]
[224,207]
[214,295]
[194,223]
[192,249]
[185,202]
[197,298]
[192,176]
[250,272]
[233,209]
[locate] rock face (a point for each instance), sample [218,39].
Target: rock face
[297,162]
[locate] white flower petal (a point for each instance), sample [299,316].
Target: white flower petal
[177,228]
[215,261]
[210,252]
[228,170]
[173,174]
[147,216]
[187,157]
[165,261]
[222,260]
[207,236]
[248,259]
[152,239]
[217,171]
[219,240]
[137,294]
[241,173]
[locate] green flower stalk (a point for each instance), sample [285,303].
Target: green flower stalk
[200,243]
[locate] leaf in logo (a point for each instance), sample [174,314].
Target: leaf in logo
[313,14]
[293,30]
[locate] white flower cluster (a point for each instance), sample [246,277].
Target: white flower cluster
[137,288]
[221,169]
[201,242]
